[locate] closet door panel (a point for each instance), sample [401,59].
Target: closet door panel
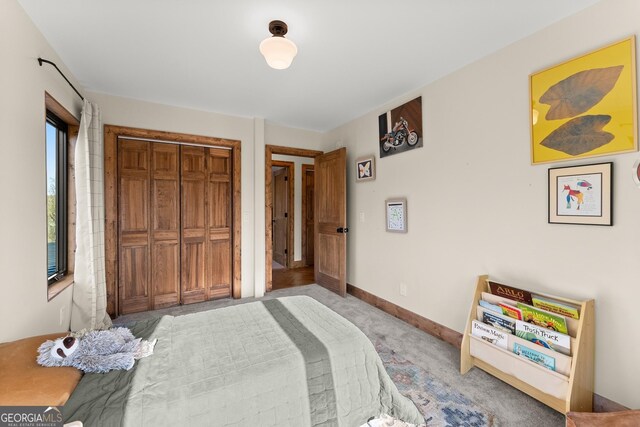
[166,274]
[220,262]
[165,206]
[134,274]
[219,196]
[193,272]
[219,223]
[133,206]
[193,194]
[194,230]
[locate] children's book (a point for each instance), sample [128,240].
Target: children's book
[499,321]
[544,337]
[556,307]
[543,318]
[535,356]
[489,306]
[511,311]
[510,292]
[490,334]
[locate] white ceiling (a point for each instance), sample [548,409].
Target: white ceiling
[353,55]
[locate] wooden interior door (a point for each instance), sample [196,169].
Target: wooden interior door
[165,222]
[133,225]
[219,223]
[280,215]
[308,214]
[194,231]
[331,221]
[175,224]
[162,240]
[206,224]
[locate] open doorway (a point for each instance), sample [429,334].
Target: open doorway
[307,225]
[283,213]
[289,214]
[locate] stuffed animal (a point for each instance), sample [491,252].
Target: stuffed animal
[385,420]
[96,351]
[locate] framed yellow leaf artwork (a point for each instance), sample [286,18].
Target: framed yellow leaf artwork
[585,107]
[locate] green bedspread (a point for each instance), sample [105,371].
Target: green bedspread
[284,362]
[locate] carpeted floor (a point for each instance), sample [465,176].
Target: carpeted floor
[424,367]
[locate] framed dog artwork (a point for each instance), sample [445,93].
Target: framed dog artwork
[581,194]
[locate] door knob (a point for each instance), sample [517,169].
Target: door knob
[342,230]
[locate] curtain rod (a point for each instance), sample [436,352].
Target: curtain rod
[166,141]
[40,61]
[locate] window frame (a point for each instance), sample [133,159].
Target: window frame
[62,242]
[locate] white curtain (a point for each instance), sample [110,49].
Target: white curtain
[89,309]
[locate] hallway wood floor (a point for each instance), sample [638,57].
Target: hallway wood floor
[290,277]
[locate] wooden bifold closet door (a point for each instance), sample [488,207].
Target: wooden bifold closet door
[206,224]
[174,209]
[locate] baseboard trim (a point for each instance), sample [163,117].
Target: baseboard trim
[429,326]
[448,335]
[602,404]
[297,264]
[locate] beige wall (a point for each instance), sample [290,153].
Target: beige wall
[291,137]
[24,309]
[476,205]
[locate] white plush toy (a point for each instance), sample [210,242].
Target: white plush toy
[96,351]
[385,420]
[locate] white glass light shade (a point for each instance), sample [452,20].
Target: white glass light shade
[278,51]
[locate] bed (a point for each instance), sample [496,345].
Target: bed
[283,362]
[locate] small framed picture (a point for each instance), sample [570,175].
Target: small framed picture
[581,194]
[396,215]
[366,168]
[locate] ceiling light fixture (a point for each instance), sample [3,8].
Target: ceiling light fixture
[278,51]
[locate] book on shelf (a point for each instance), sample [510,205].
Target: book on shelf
[510,292]
[504,324]
[511,311]
[531,332]
[557,307]
[543,318]
[544,337]
[490,334]
[493,307]
[499,322]
[535,356]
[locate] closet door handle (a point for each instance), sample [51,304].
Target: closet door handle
[343,230]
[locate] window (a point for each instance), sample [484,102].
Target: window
[56,148]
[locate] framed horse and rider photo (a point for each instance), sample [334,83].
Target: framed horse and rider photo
[400,129]
[581,194]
